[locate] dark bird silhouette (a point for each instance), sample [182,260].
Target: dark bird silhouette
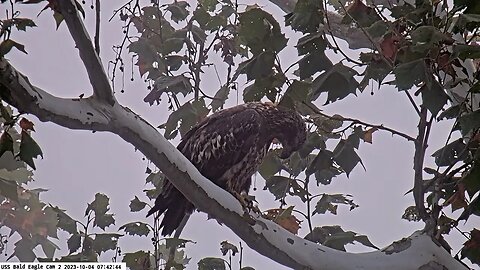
[227,148]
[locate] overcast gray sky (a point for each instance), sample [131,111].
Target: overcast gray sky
[78,164]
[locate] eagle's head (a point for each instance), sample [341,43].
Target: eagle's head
[289,128]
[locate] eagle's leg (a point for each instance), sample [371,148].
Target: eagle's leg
[247,202]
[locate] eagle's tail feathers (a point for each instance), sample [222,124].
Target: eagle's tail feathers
[173,217]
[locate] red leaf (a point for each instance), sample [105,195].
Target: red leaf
[26,124]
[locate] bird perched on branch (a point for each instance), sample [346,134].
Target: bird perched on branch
[227,148]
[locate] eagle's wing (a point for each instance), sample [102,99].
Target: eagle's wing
[214,146]
[222,141]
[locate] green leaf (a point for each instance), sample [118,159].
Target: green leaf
[137,260]
[434,97]
[471,6]
[136,205]
[58,17]
[312,63]
[209,5]
[472,185]
[426,37]
[298,92]
[260,32]
[208,22]
[8,189]
[377,69]
[174,62]
[344,155]
[377,29]
[364,16]
[19,175]
[339,240]
[23,23]
[279,186]
[329,202]
[338,82]
[74,242]
[174,44]
[29,149]
[103,221]
[264,87]
[323,160]
[99,205]
[211,263]
[466,21]
[335,237]
[450,153]
[198,34]
[453,112]
[188,115]
[219,99]
[314,141]
[325,176]
[410,74]
[259,66]
[179,11]
[463,51]
[168,84]
[176,242]
[8,44]
[156,179]
[271,164]
[136,228]
[65,222]
[363,239]
[226,246]
[295,164]
[6,143]
[6,113]
[105,241]
[24,250]
[469,122]
[470,248]
[306,17]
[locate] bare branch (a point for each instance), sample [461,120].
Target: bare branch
[96,73]
[418,158]
[359,122]
[97,27]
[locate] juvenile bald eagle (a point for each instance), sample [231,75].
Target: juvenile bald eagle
[227,148]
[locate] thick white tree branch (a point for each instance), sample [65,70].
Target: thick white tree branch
[260,234]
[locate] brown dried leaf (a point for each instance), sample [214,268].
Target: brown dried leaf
[284,218]
[457,200]
[368,135]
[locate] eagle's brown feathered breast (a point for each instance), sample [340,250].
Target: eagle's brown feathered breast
[227,148]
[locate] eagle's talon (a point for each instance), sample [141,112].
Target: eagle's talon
[247,202]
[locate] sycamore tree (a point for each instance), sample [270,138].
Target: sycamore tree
[427,50]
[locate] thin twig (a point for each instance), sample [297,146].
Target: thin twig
[410,98]
[97,27]
[356,121]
